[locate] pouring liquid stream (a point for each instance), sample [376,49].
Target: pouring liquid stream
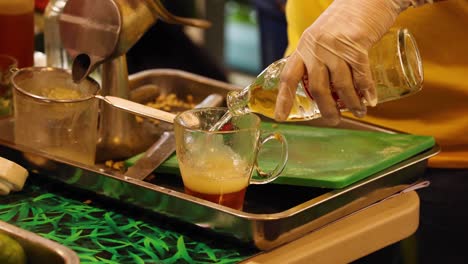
[221,122]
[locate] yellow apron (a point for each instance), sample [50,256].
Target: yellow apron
[441,108]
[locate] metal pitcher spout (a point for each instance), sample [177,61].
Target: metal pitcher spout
[81,67]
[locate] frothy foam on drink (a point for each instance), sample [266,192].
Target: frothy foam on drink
[214,168]
[60,93]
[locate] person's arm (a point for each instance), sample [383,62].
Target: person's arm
[334,49]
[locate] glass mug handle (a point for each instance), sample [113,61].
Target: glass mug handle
[267,177]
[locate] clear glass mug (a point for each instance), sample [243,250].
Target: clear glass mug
[7,64]
[218,165]
[55,115]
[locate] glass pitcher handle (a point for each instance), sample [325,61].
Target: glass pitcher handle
[267,177]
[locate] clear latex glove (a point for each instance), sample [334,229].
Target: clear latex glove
[334,50]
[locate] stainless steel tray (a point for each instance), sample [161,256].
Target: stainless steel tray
[39,249]
[273,214]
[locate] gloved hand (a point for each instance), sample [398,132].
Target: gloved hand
[334,50]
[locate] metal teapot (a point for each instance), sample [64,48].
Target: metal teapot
[96,31]
[101,32]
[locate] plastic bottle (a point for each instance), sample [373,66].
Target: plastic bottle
[17,30]
[396,68]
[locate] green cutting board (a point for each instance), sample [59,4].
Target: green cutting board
[330,157]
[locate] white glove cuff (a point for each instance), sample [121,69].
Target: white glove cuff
[417,3]
[404,4]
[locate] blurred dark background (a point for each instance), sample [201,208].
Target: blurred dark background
[246,36]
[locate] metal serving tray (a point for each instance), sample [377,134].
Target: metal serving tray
[39,249]
[273,214]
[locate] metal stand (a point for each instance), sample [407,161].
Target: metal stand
[120,135]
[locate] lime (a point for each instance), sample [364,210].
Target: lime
[11,252]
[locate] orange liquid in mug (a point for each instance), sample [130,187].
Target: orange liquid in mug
[218,176]
[234,200]
[17,32]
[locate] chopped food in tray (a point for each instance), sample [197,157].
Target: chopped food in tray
[170,103]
